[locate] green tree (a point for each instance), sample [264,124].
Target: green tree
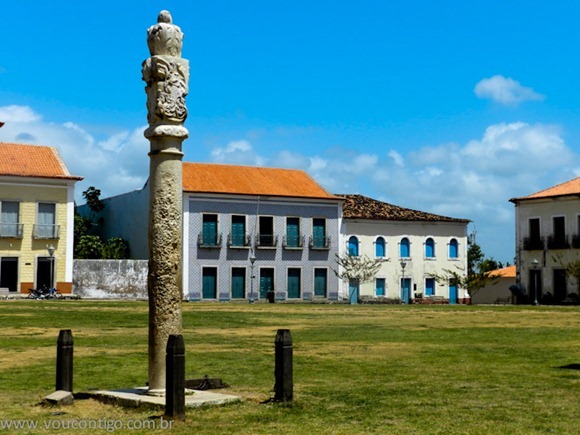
[116,248]
[89,248]
[92,246]
[357,268]
[478,270]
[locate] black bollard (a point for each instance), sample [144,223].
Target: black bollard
[64,360]
[284,386]
[175,378]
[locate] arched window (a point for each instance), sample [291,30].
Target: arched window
[429,248]
[353,246]
[380,247]
[453,249]
[405,248]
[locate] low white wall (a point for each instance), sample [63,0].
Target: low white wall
[110,279]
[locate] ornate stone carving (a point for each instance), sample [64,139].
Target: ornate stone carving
[167,76]
[164,38]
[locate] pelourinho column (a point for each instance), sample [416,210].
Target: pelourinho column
[166,75]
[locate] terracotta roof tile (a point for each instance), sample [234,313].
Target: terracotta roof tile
[363,207]
[567,188]
[20,160]
[506,272]
[250,180]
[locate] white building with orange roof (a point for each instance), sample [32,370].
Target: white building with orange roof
[547,240]
[498,289]
[249,233]
[36,219]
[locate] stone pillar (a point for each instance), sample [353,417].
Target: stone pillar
[166,75]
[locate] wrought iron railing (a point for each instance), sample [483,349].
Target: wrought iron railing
[209,240]
[319,242]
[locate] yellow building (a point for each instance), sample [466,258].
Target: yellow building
[36,219]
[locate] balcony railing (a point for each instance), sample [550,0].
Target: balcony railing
[533,244]
[45,231]
[576,241]
[558,242]
[211,240]
[266,241]
[293,242]
[11,231]
[239,241]
[321,243]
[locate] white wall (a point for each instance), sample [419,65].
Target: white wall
[546,209]
[418,267]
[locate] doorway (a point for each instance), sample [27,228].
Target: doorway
[266,281]
[9,273]
[45,272]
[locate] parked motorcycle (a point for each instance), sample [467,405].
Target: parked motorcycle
[44,293]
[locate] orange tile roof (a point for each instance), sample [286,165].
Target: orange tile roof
[571,187]
[506,272]
[20,160]
[250,180]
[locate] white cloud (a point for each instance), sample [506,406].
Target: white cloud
[18,114]
[397,158]
[115,165]
[505,90]
[238,152]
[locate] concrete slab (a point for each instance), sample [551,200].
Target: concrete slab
[136,397]
[59,398]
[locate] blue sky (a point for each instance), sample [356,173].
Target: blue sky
[451,107]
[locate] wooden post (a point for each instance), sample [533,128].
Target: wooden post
[284,386]
[175,378]
[64,360]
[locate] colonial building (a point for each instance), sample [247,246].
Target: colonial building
[547,241]
[416,245]
[36,219]
[248,233]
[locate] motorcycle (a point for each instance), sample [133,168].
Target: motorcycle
[44,293]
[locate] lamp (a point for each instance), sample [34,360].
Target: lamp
[51,250]
[535,263]
[405,298]
[252,261]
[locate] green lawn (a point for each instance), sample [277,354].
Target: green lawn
[357,369]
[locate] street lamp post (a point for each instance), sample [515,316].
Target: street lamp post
[405,297]
[535,266]
[252,261]
[51,250]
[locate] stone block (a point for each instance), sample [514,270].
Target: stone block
[59,398]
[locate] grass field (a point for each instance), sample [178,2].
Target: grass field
[357,369]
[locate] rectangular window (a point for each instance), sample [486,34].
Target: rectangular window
[293,239]
[46,227]
[380,286]
[534,240]
[209,283]
[238,283]
[266,235]
[320,282]
[293,283]
[9,226]
[559,228]
[238,235]
[319,240]
[430,287]
[534,228]
[209,233]
[558,239]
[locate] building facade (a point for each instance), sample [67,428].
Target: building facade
[36,219]
[547,242]
[249,233]
[416,246]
